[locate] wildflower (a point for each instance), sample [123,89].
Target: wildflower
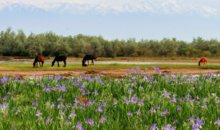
[159,72]
[67,122]
[96,93]
[58,77]
[102,119]
[115,103]
[158,107]
[38,113]
[78,126]
[130,90]
[35,103]
[72,115]
[166,95]
[91,122]
[22,81]
[105,104]
[4,80]
[163,113]
[52,105]
[62,112]
[218,122]
[175,122]
[9,93]
[138,112]
[141,88]
[168,127]
[99,109]
[178,109]
[180,100]
[4,99]
[218,102]
[129,113]
[154,127]
[48,120]
[174,99]
[59,106]
[140,103]
[153,110]
[60,98]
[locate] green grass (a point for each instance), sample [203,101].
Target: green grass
[79,66]
[117,98]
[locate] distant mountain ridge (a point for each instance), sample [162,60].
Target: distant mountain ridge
[168,7]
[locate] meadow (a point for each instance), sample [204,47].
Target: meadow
[138,101]
[74,66]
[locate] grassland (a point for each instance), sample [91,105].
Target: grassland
[132,103]
[23,66]
[158,59]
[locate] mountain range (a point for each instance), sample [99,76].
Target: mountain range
[164,7]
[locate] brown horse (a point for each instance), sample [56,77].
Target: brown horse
[203,60]
[38,59]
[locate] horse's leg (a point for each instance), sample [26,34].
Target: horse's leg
[88,62]
[58,63]
[92,62]
[64,63]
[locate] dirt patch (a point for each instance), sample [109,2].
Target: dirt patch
[108,72]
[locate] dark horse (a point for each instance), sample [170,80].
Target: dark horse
[59,58]
[89,57]
[38,59]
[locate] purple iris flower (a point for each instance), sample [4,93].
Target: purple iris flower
[154,127]
[4,99]
[102,119]
[163,113]
[35,103]
[218,122]
[129,113]
[138,112]
[67,122]
[99,109]
[168,127]
[38,113]
[178,109]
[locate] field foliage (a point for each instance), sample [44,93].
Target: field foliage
[135,102]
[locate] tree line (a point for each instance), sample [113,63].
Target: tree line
[50,44]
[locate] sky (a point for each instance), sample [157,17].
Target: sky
[115,19]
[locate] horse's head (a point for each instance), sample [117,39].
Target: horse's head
[199,63]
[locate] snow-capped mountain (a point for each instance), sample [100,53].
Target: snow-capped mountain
[167,7]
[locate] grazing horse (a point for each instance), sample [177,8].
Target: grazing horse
[38,59]
[89,57]
[59,58]
[203,60]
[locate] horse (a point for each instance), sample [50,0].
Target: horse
[203,60]
[59,58]
[89,57]
[38,59]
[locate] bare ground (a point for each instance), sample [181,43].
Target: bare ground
[112,72]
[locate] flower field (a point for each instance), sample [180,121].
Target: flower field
[139,101]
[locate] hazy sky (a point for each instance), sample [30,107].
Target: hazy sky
[122,19]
